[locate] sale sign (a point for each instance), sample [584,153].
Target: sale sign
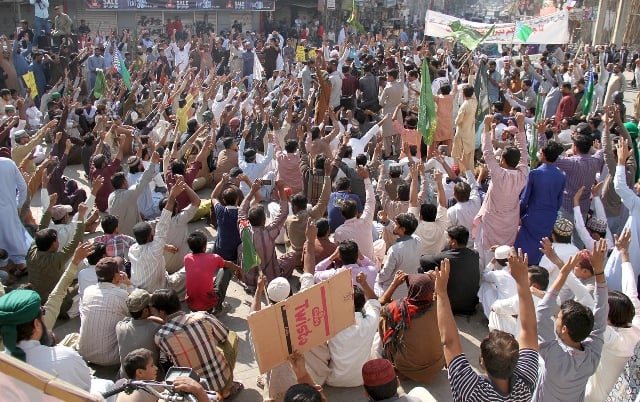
[303,321]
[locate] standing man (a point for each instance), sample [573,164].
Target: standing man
[617,83]
[62,23]
[13,237]
[95,62]
[567,105]
[41,20]
[464,140]
[390,98]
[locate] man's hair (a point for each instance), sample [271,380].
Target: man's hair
[349,208]
[578,319]
[166,300]
[445,89]
[347,152]
[462,191]
[343,184]
[118,180]
[315,132]
[136,359]
[109,224]
[551,150]
[348,250]
[291,145]
[256,215]
[229,196]
[299,200]
[99,251]
[323,227]
[302,393]
[428,212]
[178,167]
[566,85]
[467,91]
[459,233]
[511,156]
[404,192]
[141,232]
[319,162]
[583,143]
[393,73]
[24,332]
[527,82]
[408,222]
[539,276]
[45,238]
[197,242]
[361,160]
[500,352]
[621,310]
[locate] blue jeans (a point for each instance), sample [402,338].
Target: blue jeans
[39,25]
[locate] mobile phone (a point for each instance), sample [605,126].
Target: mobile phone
[266,182]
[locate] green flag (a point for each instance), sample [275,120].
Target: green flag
[523,31]
[250,257]
[469,38]
[427,118]
[353,19]
[484,105]
[100,85]
[587,98]
[533,146]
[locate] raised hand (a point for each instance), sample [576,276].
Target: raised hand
[98,182]
[519,267]
[442,277]
[83,250]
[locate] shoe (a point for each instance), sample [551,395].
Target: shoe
[222,309]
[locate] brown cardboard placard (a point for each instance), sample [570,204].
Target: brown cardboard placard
[303,321]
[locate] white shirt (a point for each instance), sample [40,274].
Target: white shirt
[101,308]
[253,170]
[351,347]
[336,88]
[358,144]
[60,361]
[181,56]
[42,9]
[147,260]
[86,278]
[432,235]
[496,283]
[463,213]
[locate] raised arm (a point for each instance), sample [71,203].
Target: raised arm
[449,335]
[518,266]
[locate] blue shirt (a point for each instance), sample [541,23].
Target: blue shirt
[334,214]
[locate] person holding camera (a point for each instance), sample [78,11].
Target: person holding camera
[41,20]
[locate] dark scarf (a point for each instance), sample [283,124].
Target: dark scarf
[400,312]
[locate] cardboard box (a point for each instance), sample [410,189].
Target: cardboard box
[303,321]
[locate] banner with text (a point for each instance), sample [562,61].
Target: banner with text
[302,321]
[181,5]
[548,29]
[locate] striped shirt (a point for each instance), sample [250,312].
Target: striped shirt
[468,386]
[101,308]
[147,260]
[581,171]
[117,244]
[190,340]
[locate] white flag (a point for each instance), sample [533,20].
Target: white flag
[258,70]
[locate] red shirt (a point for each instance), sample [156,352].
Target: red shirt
[201,271]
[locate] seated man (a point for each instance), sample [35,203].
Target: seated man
[26,337]
[117,244]
[45,259]
[511,365]
[574,338]
[381,384]
[101,308]
[140,366]
[197,340]
[138,330]
[147,259]
[87,276]
[208,275]
[350,257]
[403,255]
[496,281]
[465,270]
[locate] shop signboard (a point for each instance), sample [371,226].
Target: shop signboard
[181,5]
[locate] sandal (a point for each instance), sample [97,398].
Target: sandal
[261,380]
[235,390]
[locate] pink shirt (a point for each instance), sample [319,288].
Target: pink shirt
[289,170]
[359,229]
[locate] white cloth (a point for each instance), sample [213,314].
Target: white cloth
[86,278]
[351,347]
[181,56]
[253,170]
[432,235]
[13,237]
[147,260]
[60,361]
[496,283]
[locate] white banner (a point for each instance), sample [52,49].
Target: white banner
[548,29]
